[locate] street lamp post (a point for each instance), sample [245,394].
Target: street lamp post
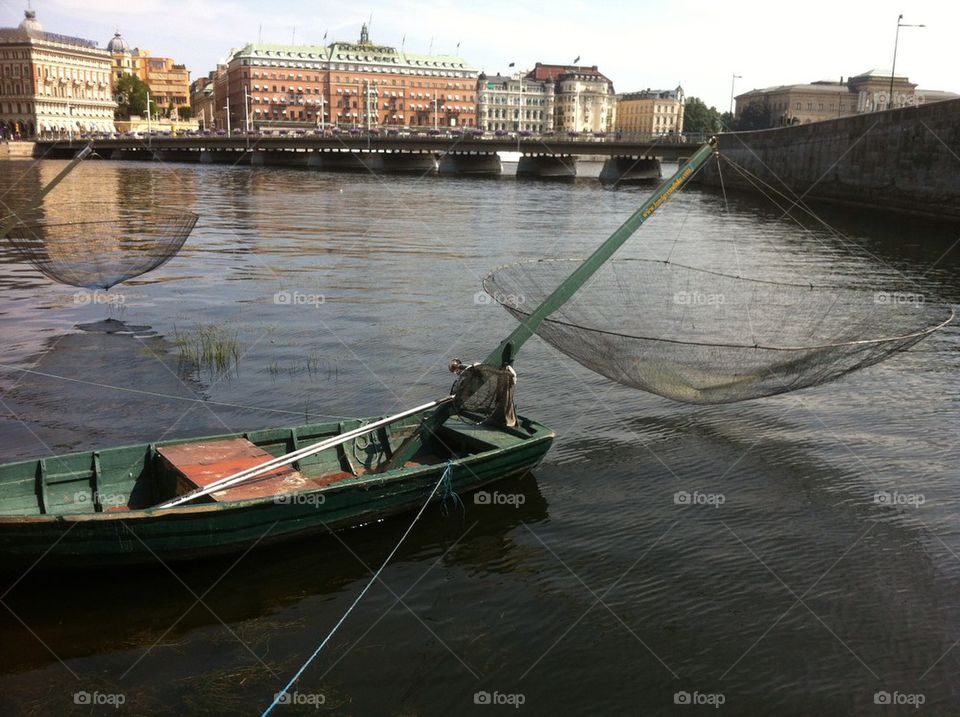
[893,69]
[733,82]
[227,108]
[520,116]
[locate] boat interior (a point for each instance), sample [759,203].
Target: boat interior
[146,475]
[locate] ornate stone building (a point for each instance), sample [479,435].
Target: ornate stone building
[345,85]
[203,98]
[584,100]
[516,104]
[52,84]
[169,82]
[650,112]
[826,99]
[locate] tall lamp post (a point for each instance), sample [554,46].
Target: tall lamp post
[733,82]
[893,69]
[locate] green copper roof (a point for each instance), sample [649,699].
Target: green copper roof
[352,52]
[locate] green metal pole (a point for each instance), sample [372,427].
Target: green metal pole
[11,221]
[505,353]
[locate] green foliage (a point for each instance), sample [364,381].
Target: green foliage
[131,94]
[756,115]
[697,117]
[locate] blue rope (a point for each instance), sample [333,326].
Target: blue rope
[449,494]
[445,480]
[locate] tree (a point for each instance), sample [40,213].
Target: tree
[131,95]
[697,117]
[756,115]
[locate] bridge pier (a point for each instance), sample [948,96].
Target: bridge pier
[345,161]
[268,158]
[404,162]
[617,170]
[547,166]
[177,155]
[209,156]
[135,155]
[474,165]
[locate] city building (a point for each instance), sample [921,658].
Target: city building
[517,104]
[203,98]
[344,85]
[650,112]
[584,100]
[52,84]
[169,82]
[826,99]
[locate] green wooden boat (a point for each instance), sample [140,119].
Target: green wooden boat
[96,507]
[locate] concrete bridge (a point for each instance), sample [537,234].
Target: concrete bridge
[543,157]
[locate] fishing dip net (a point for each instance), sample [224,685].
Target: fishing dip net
[704,337]
[96,246]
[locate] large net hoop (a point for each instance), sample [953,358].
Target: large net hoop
[99,245]
[704,337]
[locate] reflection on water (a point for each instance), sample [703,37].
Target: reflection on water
[382,276]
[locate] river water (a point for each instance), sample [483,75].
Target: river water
[591,591]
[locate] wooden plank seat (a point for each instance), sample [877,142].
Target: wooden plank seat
[197,465]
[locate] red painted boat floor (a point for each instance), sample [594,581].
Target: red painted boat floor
[197,465]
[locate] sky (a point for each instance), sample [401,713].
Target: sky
[637,44]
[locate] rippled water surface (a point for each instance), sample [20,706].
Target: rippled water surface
[597,594]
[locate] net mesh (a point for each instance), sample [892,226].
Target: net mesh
[96,246]
[485,393]
[704,337]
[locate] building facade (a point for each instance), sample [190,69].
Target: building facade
[584,99]
[169,82]
[52,84]
[650,112]
[868,92]
[203,98]
[344,85]
[516,104]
